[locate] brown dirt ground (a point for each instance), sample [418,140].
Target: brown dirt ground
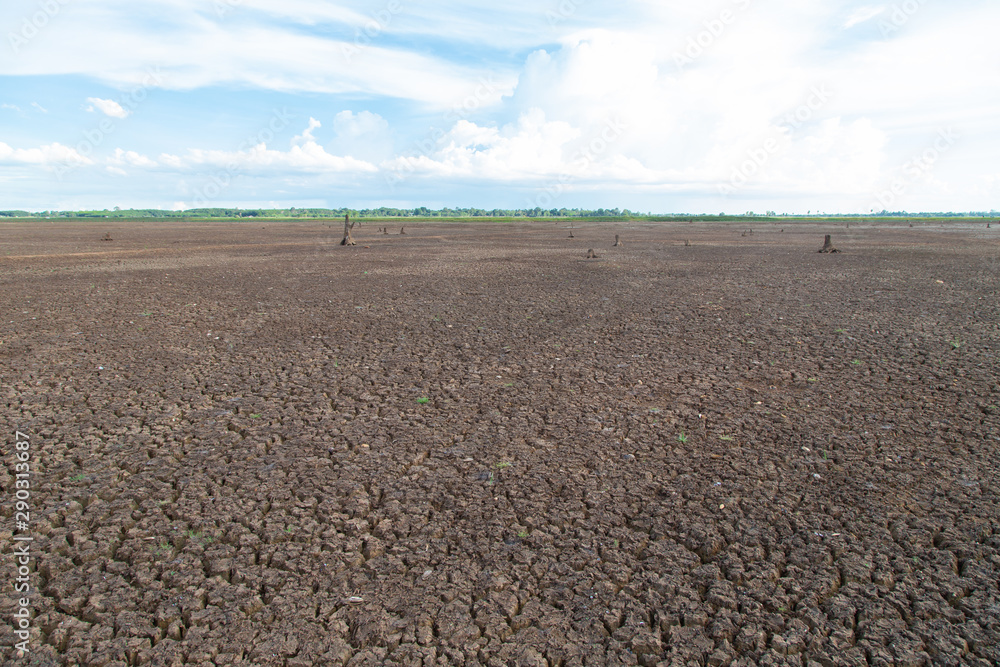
[470,445]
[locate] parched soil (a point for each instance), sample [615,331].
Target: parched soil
[471,445]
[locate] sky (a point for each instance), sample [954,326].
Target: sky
[666,106]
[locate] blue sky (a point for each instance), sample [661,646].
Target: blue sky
[729,105]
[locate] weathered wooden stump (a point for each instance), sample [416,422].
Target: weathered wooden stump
[591,254]
[827,246]
[348,226]
[618,243]
[107,237]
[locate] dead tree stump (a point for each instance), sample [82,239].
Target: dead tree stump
[591,254]
[618,244]
[687,243]
[827,246]
[402,230]
[107,237]
[348,226]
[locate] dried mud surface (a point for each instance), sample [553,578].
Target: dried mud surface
[470,445]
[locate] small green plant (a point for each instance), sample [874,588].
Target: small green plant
[812,380]
[255,415]
[682,437]
[856,362]
[147,313]
[502,465]
[522,534]
[726,438]
[78,478]
[423,400]
[840,331]
[199,537]
[489,480]
[955,343]
[436,318]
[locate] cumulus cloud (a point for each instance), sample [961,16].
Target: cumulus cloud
[51,155]
[307,134]
[107,107]
[122,158]
[309,157]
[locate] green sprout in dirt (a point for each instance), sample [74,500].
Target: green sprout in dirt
[423,400]
[255,415]
[726,438]
[199,537]
[856,362]
[682,437]
[502,465]
[489,480]
[955,343]
[522,534]
[78,478]
[840,331]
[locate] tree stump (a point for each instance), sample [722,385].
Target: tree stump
[402,230]
[618,244]
[348,226]
[827,246]
[687,243]
[591,254]
[107,237]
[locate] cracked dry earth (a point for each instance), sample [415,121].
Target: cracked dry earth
[469,445]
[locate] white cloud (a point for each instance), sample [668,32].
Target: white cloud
[123,158]
[863,14]
[308,157]
[51,155]
[12,107]
[307,134]
[39,107]
[107,107]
